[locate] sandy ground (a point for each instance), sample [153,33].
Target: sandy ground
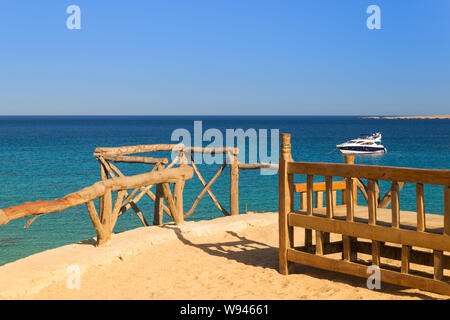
[239,263]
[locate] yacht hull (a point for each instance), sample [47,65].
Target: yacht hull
[354,150]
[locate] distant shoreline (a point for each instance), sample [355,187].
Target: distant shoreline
[408,117]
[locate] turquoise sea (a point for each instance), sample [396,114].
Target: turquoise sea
[49,157]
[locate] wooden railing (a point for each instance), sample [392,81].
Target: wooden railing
[131,189]
[435,241]
[109,211]
[109,156]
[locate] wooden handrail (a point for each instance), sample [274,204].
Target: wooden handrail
[90,193]
[426,176]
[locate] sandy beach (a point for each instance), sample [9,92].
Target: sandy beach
[224,258]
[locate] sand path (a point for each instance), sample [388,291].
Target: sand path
[239,263]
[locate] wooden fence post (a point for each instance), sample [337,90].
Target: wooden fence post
[349,253]
[234,185]
[285,201]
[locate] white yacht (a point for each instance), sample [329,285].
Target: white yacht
[363,144]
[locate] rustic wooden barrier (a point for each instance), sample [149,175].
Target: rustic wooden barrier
[131,189]
[105,220]
[435,241]
[108,156]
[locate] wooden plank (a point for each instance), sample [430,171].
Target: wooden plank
[349,199]
[406,253]
[395,204]
[395,253]
[309,207]
[371,201]
[376,252]
[366,231]
[447,210]
[420,207]
[359,270]
[320,242]
[320,186]
[330,203]
[329,196]
[427,176]
[348,253]
[438,265]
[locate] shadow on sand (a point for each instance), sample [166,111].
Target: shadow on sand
[259,254]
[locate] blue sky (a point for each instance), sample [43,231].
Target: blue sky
[244,57]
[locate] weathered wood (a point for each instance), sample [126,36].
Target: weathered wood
[395,205]
[234,186]
[139,214]
[158,213]
[285,191]
[255,166]
[134,159]
[413,175]
[135,149]
[211,195]
[171,203]
[106,213]
[234,151]
[103,235]
[420,207]
[178,196]
[205,189]
[92,192]
[117,207]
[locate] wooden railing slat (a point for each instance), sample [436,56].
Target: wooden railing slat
[420,207]
[309,207]
[395,204]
